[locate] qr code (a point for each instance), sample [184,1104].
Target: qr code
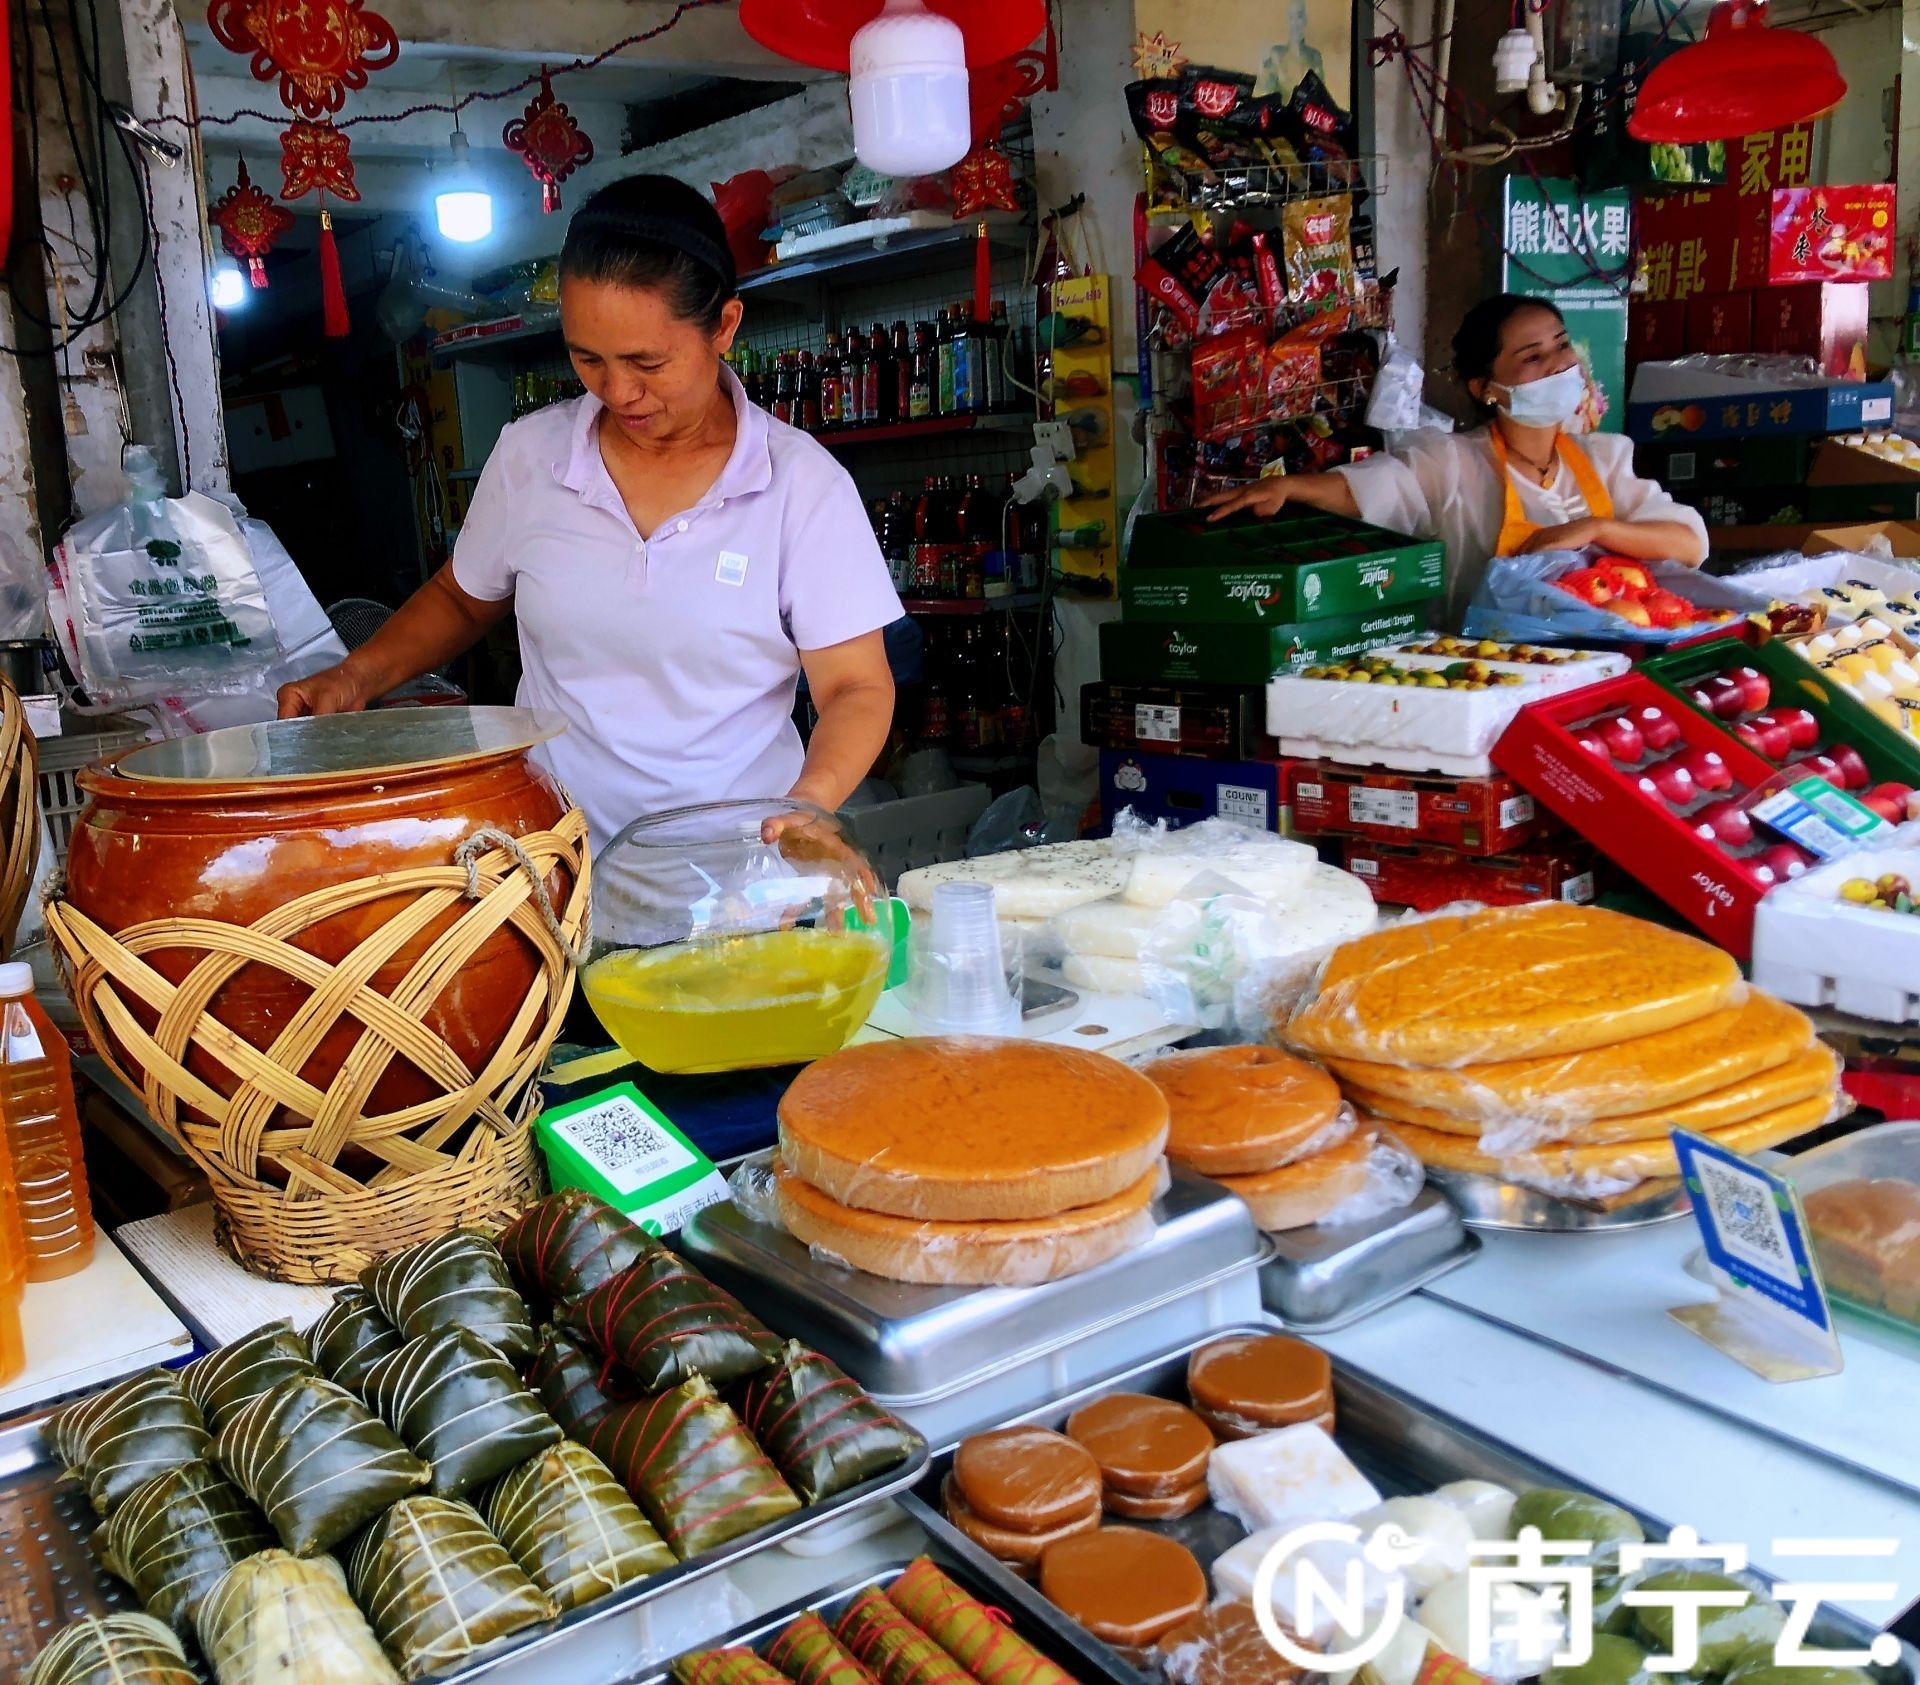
[1747,1219]
[626,1146]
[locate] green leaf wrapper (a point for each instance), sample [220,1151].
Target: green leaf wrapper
[696,1471]
[572,1526]
[962,1626]
[174,1537]
[571,1243]
[351,1335]
[457,1281]
[277,1619]
[577,1386]
[457,1402]
[808,1654]
[118,1440]
[316,1461]
[892,1648]
[726,1667]
[123,1648]
[821,1428]
[437,1585]
[225,1379]
[666,1323]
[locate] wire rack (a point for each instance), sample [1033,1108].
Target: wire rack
[1250,186]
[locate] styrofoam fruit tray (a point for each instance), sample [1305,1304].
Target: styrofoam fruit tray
[1814,949]
[1447,732]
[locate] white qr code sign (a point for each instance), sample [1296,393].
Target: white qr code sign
[626,1146]
[1156,724]
[1770,1311]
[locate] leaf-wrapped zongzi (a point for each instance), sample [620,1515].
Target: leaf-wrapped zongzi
[821,1428]
[175,1536]
[577,1386]
[350,1336]
[123,1648]
[316,1461]
[967,1630]
[225,1379]
[694,1468]
[572,1527]
[571,1242]
[459,1404]
[457,1281]
[666,1323]
[275,1619]
[726,1667]
[892,1648]
[437,1585]
[119,1439]
[808,1654]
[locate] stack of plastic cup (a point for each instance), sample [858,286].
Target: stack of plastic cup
[959,983]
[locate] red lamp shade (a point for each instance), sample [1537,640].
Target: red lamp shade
[819,32]
[1742,79]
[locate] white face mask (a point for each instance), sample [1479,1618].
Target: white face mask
[1551,401]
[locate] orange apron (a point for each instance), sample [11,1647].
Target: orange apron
[1516,529]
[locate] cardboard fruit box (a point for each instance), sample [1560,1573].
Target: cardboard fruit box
[1425,876]
[1559,750]
[1203,652]
[1183,791]
[1213,722]
[1846,484]
[1477,816]
[1675,401]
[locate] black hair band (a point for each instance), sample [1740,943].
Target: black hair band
[681,237]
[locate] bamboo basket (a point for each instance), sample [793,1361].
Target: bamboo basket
[19,813]
[310,1187]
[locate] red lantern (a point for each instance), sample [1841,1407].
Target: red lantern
[983,181]
[548,136]
[318,48]
[1742,79]
[818,32]
[314,159]
[249,223]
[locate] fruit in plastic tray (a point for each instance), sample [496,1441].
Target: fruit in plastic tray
[1487,649]
[1671,782]
[1756,690]
[1377,670]
[1802,728]
[1626,588]
[1766,736]
[1624,740]
[1889,893]
[1594,742]
[1658,727]
[1726,696]
[1709,769]
[1725,822]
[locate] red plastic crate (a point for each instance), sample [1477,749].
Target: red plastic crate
[1713,887]
[1470,815]
[1424,877]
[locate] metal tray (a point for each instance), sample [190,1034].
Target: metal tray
[54,1578]
[1401,1445]
[1321,1279]
[1487,1202]
[1061,1641]
[910,1345]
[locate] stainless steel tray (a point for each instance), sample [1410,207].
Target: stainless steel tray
[1321,1279]
[55,1578]
[1486,1202]
[909,1345]
[1401,1445]
[1063,1642]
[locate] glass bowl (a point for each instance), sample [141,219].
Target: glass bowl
[717,950]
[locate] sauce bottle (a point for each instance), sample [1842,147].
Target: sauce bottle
[43,1133]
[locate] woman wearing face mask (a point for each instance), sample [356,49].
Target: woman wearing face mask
[1520,483]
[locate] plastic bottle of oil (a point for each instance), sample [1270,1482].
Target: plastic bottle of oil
[13,1270]
[43,1133]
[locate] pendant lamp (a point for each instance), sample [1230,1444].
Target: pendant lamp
[1742,79]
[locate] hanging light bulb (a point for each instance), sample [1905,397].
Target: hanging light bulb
[227,286]
[462,206]
[908,84]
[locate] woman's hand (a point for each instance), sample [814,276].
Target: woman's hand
[1570,535]
[333,690]
[1265,498]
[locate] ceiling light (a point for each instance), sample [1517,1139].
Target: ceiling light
[227,287]
[462,206]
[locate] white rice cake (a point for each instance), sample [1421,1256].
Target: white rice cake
[1265,867]
[1286,1478]
[1107,929]
[1235,1571]
[1102,976]
[1028,883]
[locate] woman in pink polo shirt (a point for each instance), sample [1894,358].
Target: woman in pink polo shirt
[674,556]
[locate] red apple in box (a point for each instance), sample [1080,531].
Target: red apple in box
[1819,766]
[1702,698]
[1708,768]
[1623,739]
[1660,729]
[1594,743]
[1756,691]
[1853,767]
[1726,823]
[1893,802]
[1802,727]
[1670,781]
[1766,735]
[1784,861]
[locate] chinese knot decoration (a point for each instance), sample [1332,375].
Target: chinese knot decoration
[547,135]
[318,48]
[983,181]
[313,159]
[249,223]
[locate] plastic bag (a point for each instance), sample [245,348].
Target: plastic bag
[1017,820]
[1517,601]
[1396,404]
[162,596]
[1394,1180]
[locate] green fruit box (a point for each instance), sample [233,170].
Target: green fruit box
[1301,565]
[1792,684]
[1201,652]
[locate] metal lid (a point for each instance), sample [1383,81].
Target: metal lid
[393,740]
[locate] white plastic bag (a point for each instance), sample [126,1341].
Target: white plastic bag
[161,597]
[1396,403]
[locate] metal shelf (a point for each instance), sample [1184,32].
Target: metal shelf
[513,333]
[929,427]
[973,605]
[921,252]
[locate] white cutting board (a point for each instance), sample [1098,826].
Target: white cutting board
[1605,1297]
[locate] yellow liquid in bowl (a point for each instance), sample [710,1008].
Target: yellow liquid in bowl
[779,998]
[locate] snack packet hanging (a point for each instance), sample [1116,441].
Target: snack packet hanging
[1319,253]
[1180,273]
[1154,106]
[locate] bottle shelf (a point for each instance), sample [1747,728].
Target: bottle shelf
[927,427]
[973,605]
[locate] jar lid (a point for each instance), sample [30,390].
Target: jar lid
[390,740]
